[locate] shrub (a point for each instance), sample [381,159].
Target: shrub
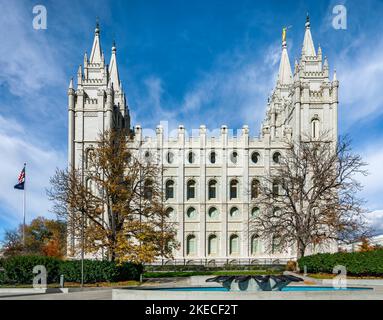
[368,263]
[19,269]
[291,265]
[99,271]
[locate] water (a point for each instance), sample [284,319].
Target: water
[290,288]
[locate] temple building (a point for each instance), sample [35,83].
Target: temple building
[206,179]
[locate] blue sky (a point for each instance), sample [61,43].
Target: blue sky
[190,62]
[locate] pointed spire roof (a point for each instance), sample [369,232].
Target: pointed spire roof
[308,48]
[95,55]
[334,77]
[285,75]
[113,69]
[71,83]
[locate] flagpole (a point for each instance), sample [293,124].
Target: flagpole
[24,204]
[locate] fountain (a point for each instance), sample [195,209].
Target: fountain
[255,283]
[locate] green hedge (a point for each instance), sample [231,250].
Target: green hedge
[19,270]
[357,263]
[100,271]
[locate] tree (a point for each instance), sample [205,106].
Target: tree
[310,197]
[117,202]
[42,237]
[365,246]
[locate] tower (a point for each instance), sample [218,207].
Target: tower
[303,104]
[96,105]
[314,96]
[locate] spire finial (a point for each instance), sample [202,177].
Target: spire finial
[307,20]
[114,46]
[97,30]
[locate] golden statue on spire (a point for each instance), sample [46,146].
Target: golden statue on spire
[284,30]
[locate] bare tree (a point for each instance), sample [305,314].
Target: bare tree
[117,201]
[310,197]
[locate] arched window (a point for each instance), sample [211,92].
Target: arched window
[234,244]
[191,157]
[212,189]
[213,213]
[276,188]
[170,157]
[212,246]
[277,157]
[148,189]
[275,245]
[234,212]
[89,185]
[191,213]
[255,157]
[234,157]
[191,245]
[254,212]
[89,157]
[255,244]
[190,189]
[213,157]
[233,189]
[169,189]
[254,188]
[315,128]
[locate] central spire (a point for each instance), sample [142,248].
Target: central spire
[96,54]
[285,75]
[308,45]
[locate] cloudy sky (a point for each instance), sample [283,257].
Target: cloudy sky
[191,62]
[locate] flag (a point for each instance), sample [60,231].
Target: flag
[21,180]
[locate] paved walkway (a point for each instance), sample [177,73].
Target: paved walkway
[80,295]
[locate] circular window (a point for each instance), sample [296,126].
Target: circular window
[234,157]
[213,157]
[191,157]
[191,213]
[170,213]
[170,157]
[255,157]
[276,157]
[255,212]
[147,154]
[213,213]
[234,212]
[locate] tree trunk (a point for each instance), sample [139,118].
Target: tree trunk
[301,249]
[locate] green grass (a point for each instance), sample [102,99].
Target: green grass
[168,274]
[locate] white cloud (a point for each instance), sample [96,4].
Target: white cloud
[17,147]
[375,219]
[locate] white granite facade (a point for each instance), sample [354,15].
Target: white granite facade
[207,179]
